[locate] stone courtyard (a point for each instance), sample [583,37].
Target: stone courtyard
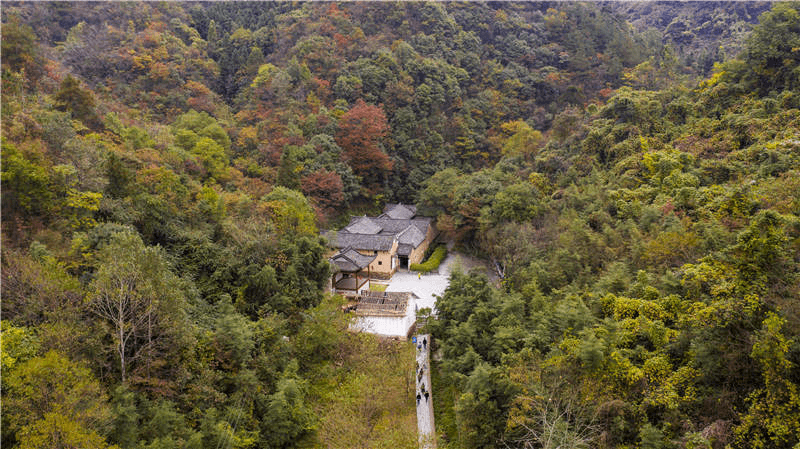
[425,289]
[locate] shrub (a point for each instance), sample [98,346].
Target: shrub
[433,261]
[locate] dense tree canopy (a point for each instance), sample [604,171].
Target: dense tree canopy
[628,172]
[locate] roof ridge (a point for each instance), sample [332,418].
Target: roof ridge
[363,225]
[405,229]
[343,255]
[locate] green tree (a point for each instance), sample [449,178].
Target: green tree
[285,417]
[203,136]
[51,394]
[771,54]
[80,208]
[135,292]
[522,141]
[119,177]
[761,246]
[27,186]
[233,337]
[18,345]
[198,125]
[77,100]
[516,203]
[19,49]
[652,437]
[56,431]
[773,418]
[212,155]
[482,408]
[438,191]
[291,212]
[126,417]
[39,289]
[293,164]
[210,205]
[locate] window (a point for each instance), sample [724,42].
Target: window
[380,262]
[374,253]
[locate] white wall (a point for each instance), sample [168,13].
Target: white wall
[386,326]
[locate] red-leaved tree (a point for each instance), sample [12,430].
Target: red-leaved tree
[326,189]
[360,132]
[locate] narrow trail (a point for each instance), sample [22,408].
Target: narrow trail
[426,430]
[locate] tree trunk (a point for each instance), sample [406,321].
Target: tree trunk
[121,329]
[149,338]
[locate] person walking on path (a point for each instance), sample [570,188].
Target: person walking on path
[425,416]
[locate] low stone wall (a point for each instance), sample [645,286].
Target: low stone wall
[380,276]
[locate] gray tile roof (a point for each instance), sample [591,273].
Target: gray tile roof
[351,260]
[395,226]
[400,211]
[404,249]
[411,235]
[378,233]
[363,225]
[343,239]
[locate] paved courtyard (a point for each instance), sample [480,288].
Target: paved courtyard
[426,287]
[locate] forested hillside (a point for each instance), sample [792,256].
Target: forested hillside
[167,168]
[699,35]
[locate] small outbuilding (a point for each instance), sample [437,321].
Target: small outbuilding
[352,271]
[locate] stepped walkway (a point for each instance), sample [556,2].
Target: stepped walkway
[426,430]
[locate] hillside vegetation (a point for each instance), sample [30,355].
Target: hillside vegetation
[167,168]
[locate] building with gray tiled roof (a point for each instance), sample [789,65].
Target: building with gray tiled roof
[363,225]
[351,260]
[369,242]
[350,266]
[408,239]
[395,239]
[400,211]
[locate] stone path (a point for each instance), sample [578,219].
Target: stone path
[426,430]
